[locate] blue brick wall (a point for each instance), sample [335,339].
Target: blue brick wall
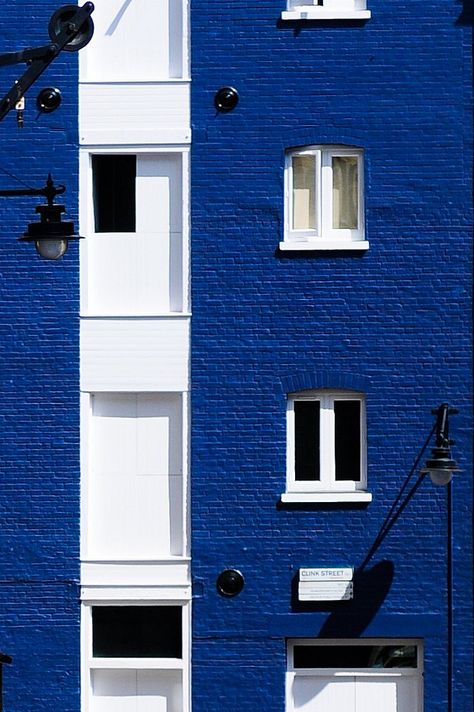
[397,317]
[39,419]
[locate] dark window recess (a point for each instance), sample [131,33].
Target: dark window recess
[355,656]
[307,440]
[114,193]
[347,439]
[136,631]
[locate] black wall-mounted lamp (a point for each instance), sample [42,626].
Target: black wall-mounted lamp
[51,235]
[440,467]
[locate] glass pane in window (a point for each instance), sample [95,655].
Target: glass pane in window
[345,192]
[347,439]
[355,656]
[304,192]
[136,631]
[307,440]
[114,193]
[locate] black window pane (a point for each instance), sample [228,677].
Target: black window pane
[347,440]
[114,193]
[307,440]
[355,656]
[136,631]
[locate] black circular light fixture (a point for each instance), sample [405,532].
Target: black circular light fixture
[230,582]
[48,100]
[226,99]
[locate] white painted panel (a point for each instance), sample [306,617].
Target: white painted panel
[320,694]
[159,429]
[159,193]
[159,691]
[375,694]
[136,690]
[114,690]
[135,476]
[387,694]
[135,40]
[142,273]
[123,114]
[134,274]
[116,575]
[135,354]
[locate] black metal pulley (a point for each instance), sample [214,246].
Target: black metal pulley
[62,20]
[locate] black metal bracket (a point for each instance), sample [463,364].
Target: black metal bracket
[49,191]
[70,29]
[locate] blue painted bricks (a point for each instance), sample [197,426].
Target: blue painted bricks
[396,318]
[39,413]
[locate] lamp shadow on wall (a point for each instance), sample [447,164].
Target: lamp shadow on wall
[349,619]
[371,585]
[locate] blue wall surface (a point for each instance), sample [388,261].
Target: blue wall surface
[39,414]
[396,318]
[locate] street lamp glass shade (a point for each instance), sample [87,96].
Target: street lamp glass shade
[51,235]
[441,477]
[441,468]
[51,249]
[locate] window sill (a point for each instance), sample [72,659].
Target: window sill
[136,663]
[320,13]
[305,497]
[323,245]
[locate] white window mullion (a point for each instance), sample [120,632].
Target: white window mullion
[327,443]
[319,194]
[326,194]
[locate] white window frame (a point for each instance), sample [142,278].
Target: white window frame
[326,642]
[357,673]
[89,663]
[323,236]
[327,488]
[327,10]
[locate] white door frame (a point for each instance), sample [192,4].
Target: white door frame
[357,673]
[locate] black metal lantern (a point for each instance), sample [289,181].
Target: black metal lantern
[51,235]
[441,466]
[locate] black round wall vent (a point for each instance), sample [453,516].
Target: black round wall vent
[230,582]
[226,99]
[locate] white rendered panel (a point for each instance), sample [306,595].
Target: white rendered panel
[135,479]
[320,694]
[135,40]
[134,113]
[136,690]
[399,694]
[159,193]
[114,690]
[141,273]
[159,691]
[135,355]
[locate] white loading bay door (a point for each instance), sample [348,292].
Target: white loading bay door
[354,676]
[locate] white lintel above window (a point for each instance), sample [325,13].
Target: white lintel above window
[326,10]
